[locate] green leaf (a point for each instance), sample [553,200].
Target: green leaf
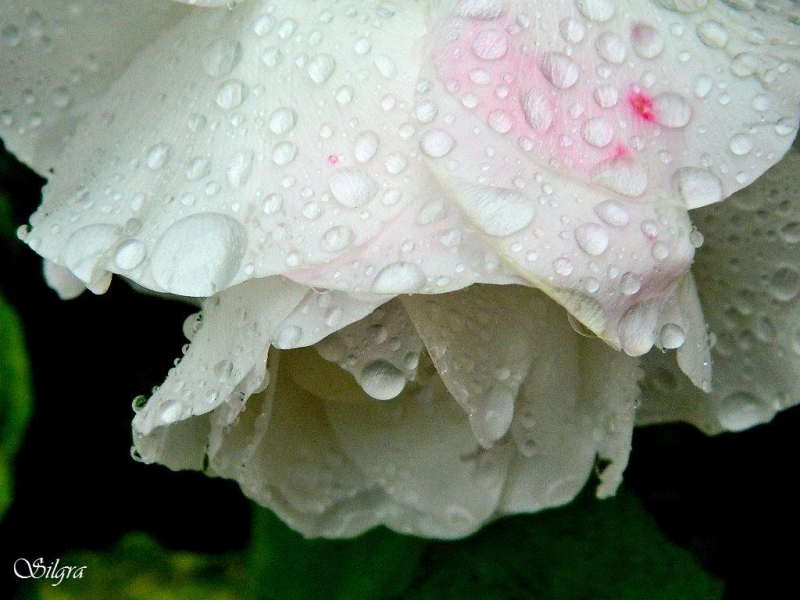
[15,397]
[591,549]
[138,568]
[286,566]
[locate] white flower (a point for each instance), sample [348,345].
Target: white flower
[332,178]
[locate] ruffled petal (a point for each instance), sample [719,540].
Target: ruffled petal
[422,451]
[282,143]
[483,341]
[56,58]
[575,412]
[560,142]
[748,279]
[381,351]
[226,360]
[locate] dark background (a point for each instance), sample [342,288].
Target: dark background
[731,500]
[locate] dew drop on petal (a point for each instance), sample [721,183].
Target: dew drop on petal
[382,380]
[398,278]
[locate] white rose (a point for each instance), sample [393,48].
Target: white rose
[382,206]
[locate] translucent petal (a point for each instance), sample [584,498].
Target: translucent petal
[574,153]
[275,138]
[226,360]
[421,449]
[748,281]
[483,341]
[56,58]
[62,281]
[381,351]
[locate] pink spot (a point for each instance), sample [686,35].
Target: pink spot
[642,105]
[333,159]
[621,150]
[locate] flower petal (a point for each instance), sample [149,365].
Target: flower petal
[748,279]
[283,146]
[483,341]
[421,449]
[381,351]
[58,57]
[576,406]
[226,360]
[575,160]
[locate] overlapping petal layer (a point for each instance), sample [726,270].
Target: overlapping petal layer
[302,166]
[317,447]
[748,277]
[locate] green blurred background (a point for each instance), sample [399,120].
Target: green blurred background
[696,518]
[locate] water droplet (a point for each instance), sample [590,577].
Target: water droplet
[398,278]
[264,25]
[231,94]
[221,57]
[199,255]
[497,211]
[538,109]
[672,336]
[790,233]
[288,337]
[284,153]
[382,380]
[560,70]
[365,146]
[697,187]
[437,143]
[352,187]
[500,121]
[563,266]
[130,254]
[610,48]
[742,410]
[636,329]
[321,67]
[479,9]
[490,44]
[612,213]
[622,175]
[239,168]
[591,238]
[646,41]
[784,285]
[671,110]
[337,238]
[282,120]
[596,10]
[713,34]
[158,155]
[572,30]
[630,283]
[741,144]
[597,132]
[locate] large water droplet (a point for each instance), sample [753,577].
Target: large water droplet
[597,132]
[538,109]
[222,57]
[560,70]
[231,94]
[742,410]
[365,146]
[697,187]
[130,254]
[497,211]
[591,238]
[490,45]
[382,380]
[282,120]
[199,255]
[437,143]
[352,187]
[398,278]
